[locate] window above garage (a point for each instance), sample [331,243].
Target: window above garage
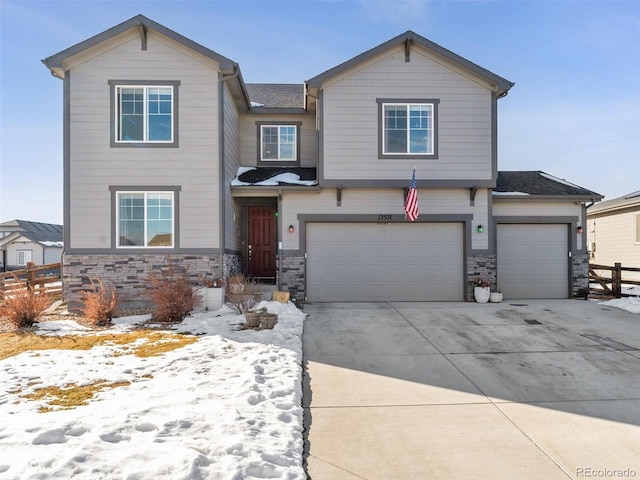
[407,128]
[278,143]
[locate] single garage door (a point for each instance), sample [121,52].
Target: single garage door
[384,262]
[533,260]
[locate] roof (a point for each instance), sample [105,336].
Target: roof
[276,95]
[55,62]
[35,231]
[502,85]
[539,184]
[275,176]
[629,200]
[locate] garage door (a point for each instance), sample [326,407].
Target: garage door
[532,261]
[384,262]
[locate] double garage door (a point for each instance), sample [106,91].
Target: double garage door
[533,260]
[385,262]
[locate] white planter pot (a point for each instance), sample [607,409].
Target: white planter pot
[211,299]
[482,294]
[495,297]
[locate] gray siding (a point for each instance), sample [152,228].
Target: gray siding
[233,214]
[94,166]
[308,137]
[350,119]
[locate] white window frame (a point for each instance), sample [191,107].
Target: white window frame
[145,114]
[23,253]
[294,143]
[430,131]
[146,220]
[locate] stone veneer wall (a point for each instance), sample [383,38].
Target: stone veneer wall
[579,274]
[291,277]
[480,265]
[128,273]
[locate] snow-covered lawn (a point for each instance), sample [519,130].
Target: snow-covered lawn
[630,304]
[227,406]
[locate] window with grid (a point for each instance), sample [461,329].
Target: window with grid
[408,129]
[278,143]
[144,114]
[145,219]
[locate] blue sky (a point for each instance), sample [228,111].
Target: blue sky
[574,111]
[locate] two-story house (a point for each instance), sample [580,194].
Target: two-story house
[167,151]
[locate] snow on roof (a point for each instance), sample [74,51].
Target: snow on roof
[274,176]
[52,244]
[509,193]
[559,180]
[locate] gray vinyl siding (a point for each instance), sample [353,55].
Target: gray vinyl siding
[249,137]
[94,166]
[368,201]
[350,119]
[233,214]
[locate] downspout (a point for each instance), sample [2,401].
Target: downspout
[221,165]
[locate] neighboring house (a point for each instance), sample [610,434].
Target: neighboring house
[168,152]
[22,242]
[613,232]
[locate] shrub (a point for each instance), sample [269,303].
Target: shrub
[99,303]
[22,308]
[172,294]
[241,293]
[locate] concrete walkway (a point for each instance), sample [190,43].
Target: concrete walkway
[517,390]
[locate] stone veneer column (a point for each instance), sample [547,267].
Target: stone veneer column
[480,265]
[292,276]
[579,274]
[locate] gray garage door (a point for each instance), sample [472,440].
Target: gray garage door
[533,261]
[384,262]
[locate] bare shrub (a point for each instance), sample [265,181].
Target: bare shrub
[99,303]
[22,308]
[172,294]
[242,293]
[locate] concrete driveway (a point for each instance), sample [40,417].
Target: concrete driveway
[517,390]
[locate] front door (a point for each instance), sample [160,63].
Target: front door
[261,245]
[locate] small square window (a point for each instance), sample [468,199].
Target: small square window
[408,128]
[145,219]
[278,143]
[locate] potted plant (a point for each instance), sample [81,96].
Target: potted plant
[495,297]
[212,294]
[481,290]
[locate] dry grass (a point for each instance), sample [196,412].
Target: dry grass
[71,395]
[142,343]
[172,294]
[242,293]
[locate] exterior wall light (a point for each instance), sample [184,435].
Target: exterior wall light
[480,228]
[291,229]
[579,229]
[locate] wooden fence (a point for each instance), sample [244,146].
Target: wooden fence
[43,279]
[610,284]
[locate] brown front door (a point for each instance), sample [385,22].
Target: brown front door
[261,245]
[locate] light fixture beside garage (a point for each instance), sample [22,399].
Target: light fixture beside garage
[579,229]
[291,229]
[480,228]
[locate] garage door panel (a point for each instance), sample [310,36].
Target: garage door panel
[397,262]
[532,260]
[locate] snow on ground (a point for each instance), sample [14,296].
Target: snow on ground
[225,407]
[630,304]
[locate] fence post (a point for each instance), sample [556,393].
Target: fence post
[31,276]
[616,280]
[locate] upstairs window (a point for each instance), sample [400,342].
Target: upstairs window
[408,129]
[144,114]
[278,143]
[145,219]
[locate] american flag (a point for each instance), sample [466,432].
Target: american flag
[411,204]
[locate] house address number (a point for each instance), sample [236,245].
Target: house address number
[385,217]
